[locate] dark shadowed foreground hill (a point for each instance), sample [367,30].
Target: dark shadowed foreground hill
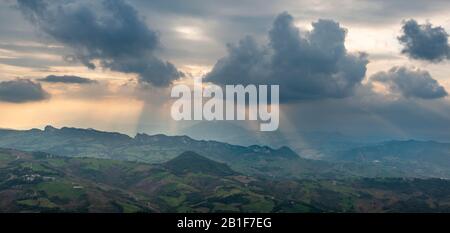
[191,162]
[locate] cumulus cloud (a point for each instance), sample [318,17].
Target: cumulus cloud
[69,79]
[21,91]
[410,83]
[425,42]
[306,65]
[111,32]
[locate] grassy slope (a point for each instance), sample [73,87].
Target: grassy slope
[33,182]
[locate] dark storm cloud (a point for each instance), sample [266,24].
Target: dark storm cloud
[310,65]
[425,42]
[379,12]
[111,32]
[357,11]
[21,91]
[411,83]
[69,79]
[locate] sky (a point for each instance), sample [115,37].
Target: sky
[374,68]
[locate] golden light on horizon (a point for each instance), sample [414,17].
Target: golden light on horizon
[116,114]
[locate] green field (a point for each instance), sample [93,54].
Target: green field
[35,183]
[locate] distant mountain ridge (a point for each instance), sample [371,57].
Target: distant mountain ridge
[30,138]
[389,159]
[75,142]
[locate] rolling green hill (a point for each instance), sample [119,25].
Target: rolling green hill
[41,182]
[191,162]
